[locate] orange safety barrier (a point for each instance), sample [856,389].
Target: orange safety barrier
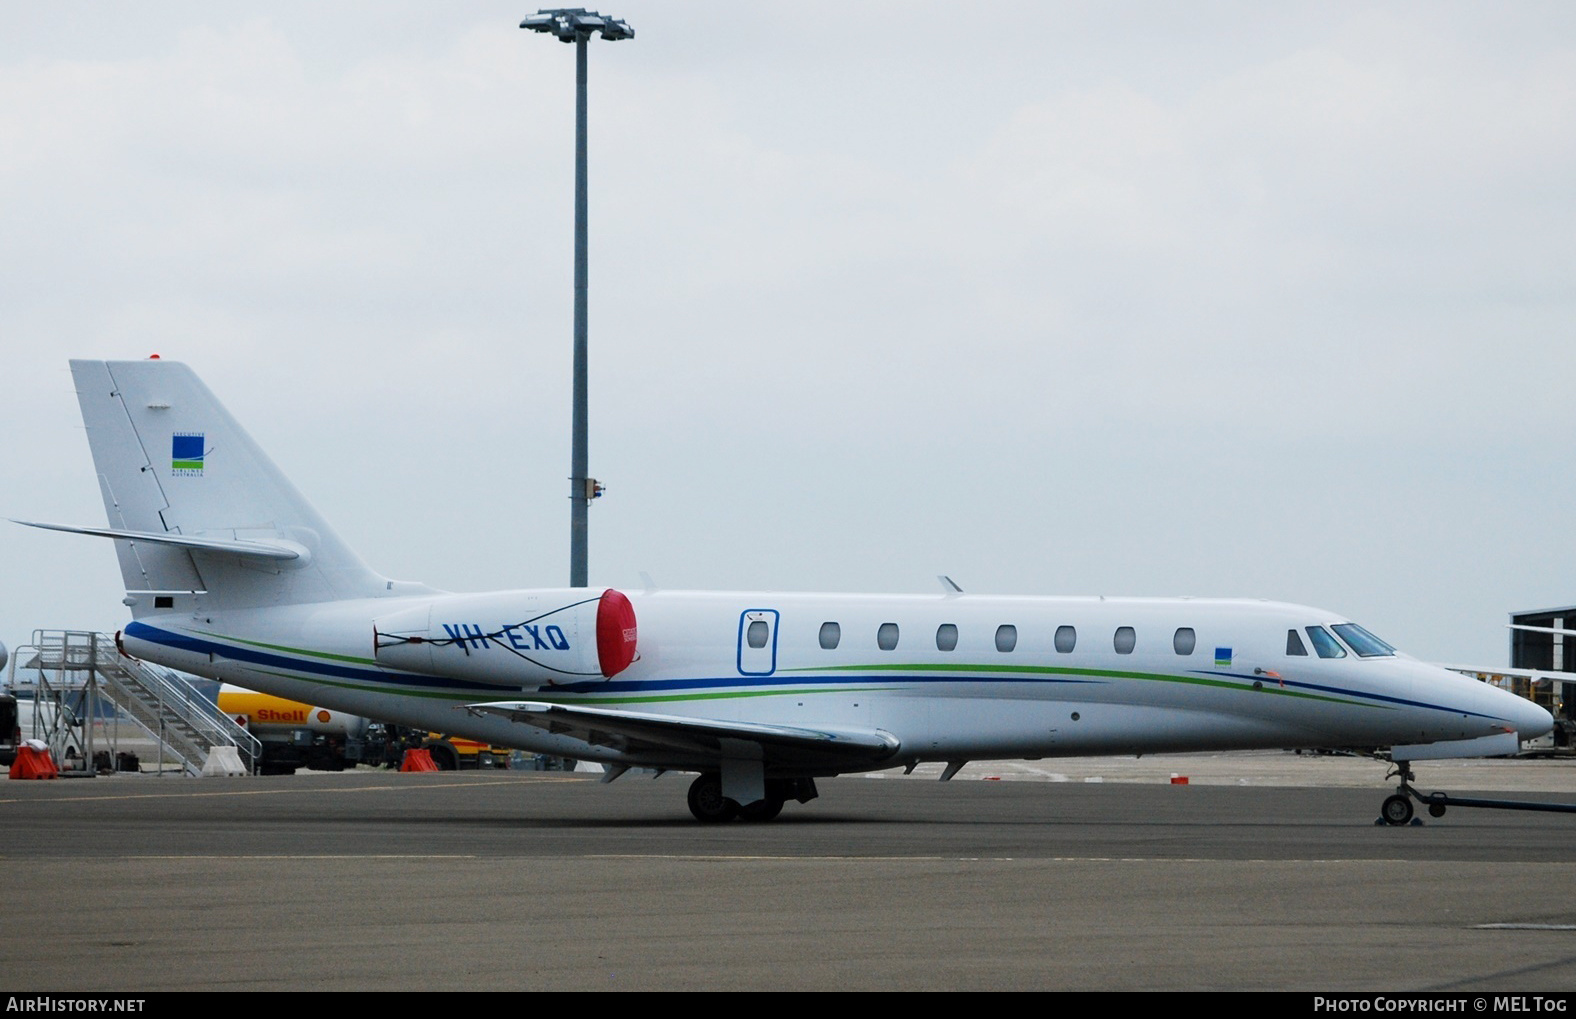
[32,763]
[418,759]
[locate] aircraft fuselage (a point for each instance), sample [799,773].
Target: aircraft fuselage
[948,677]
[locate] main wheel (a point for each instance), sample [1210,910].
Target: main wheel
[706,801]
[1397,809]
[762,810]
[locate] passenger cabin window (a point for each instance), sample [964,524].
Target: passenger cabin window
[946,637]
[1294,645]
[1324,645]
[1364,643]
[831,633]
[886,636]
[757,633]
[1124,640]
[1184,640]
[1006,637]
[1066,639]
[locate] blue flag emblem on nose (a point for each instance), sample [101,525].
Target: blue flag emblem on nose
[1223,657]
[186,453]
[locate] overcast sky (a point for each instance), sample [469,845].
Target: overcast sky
[1225,299]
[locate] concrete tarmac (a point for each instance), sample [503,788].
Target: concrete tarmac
[378,881]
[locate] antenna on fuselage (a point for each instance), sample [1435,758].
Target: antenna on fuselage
[948,584]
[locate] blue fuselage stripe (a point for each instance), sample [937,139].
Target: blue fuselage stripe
[255,656]
[1343,692]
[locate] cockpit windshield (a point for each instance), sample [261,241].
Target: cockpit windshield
[1325,645]
[1360,640]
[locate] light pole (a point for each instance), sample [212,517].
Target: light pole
[577,25]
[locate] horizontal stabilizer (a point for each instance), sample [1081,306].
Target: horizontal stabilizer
[275,550]
[635,732]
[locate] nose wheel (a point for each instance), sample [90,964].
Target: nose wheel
[1396,811]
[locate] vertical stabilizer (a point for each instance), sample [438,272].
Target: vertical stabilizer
[171,460]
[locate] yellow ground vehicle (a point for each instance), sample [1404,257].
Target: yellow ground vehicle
[296,735]
[451,752]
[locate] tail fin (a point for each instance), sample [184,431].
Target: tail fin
[208,513]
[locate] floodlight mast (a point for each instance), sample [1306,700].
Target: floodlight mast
[576,25]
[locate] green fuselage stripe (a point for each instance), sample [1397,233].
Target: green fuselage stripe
[1054,670]
[925,670]
[549,697]
[304,652]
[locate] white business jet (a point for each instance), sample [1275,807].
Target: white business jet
[231,574]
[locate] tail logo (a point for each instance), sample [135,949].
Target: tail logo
[186,454]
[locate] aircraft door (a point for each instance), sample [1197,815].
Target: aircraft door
[758,642]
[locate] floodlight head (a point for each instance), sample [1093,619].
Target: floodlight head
[573,24]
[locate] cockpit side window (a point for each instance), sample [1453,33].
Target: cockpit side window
[1364,643]
[1325,645]
[1294,645]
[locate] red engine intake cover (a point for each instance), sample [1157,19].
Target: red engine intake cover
[615,633]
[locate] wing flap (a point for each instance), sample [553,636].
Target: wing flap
[691,738]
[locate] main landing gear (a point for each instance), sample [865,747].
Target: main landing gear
[708,804]
[1397,807]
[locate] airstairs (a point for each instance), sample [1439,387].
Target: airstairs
[84,689]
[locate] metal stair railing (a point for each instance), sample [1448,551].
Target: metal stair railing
[191,721]
[160,701]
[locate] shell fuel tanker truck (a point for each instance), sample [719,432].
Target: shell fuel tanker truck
[296,735]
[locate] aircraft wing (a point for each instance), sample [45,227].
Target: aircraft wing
[1492,672]
[697,741]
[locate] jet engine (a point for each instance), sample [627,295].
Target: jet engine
[512,638]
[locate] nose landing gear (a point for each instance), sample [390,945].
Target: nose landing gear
[1396,811]
[1397,807]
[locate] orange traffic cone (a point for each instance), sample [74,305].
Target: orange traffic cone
[418,759]
[33,761]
